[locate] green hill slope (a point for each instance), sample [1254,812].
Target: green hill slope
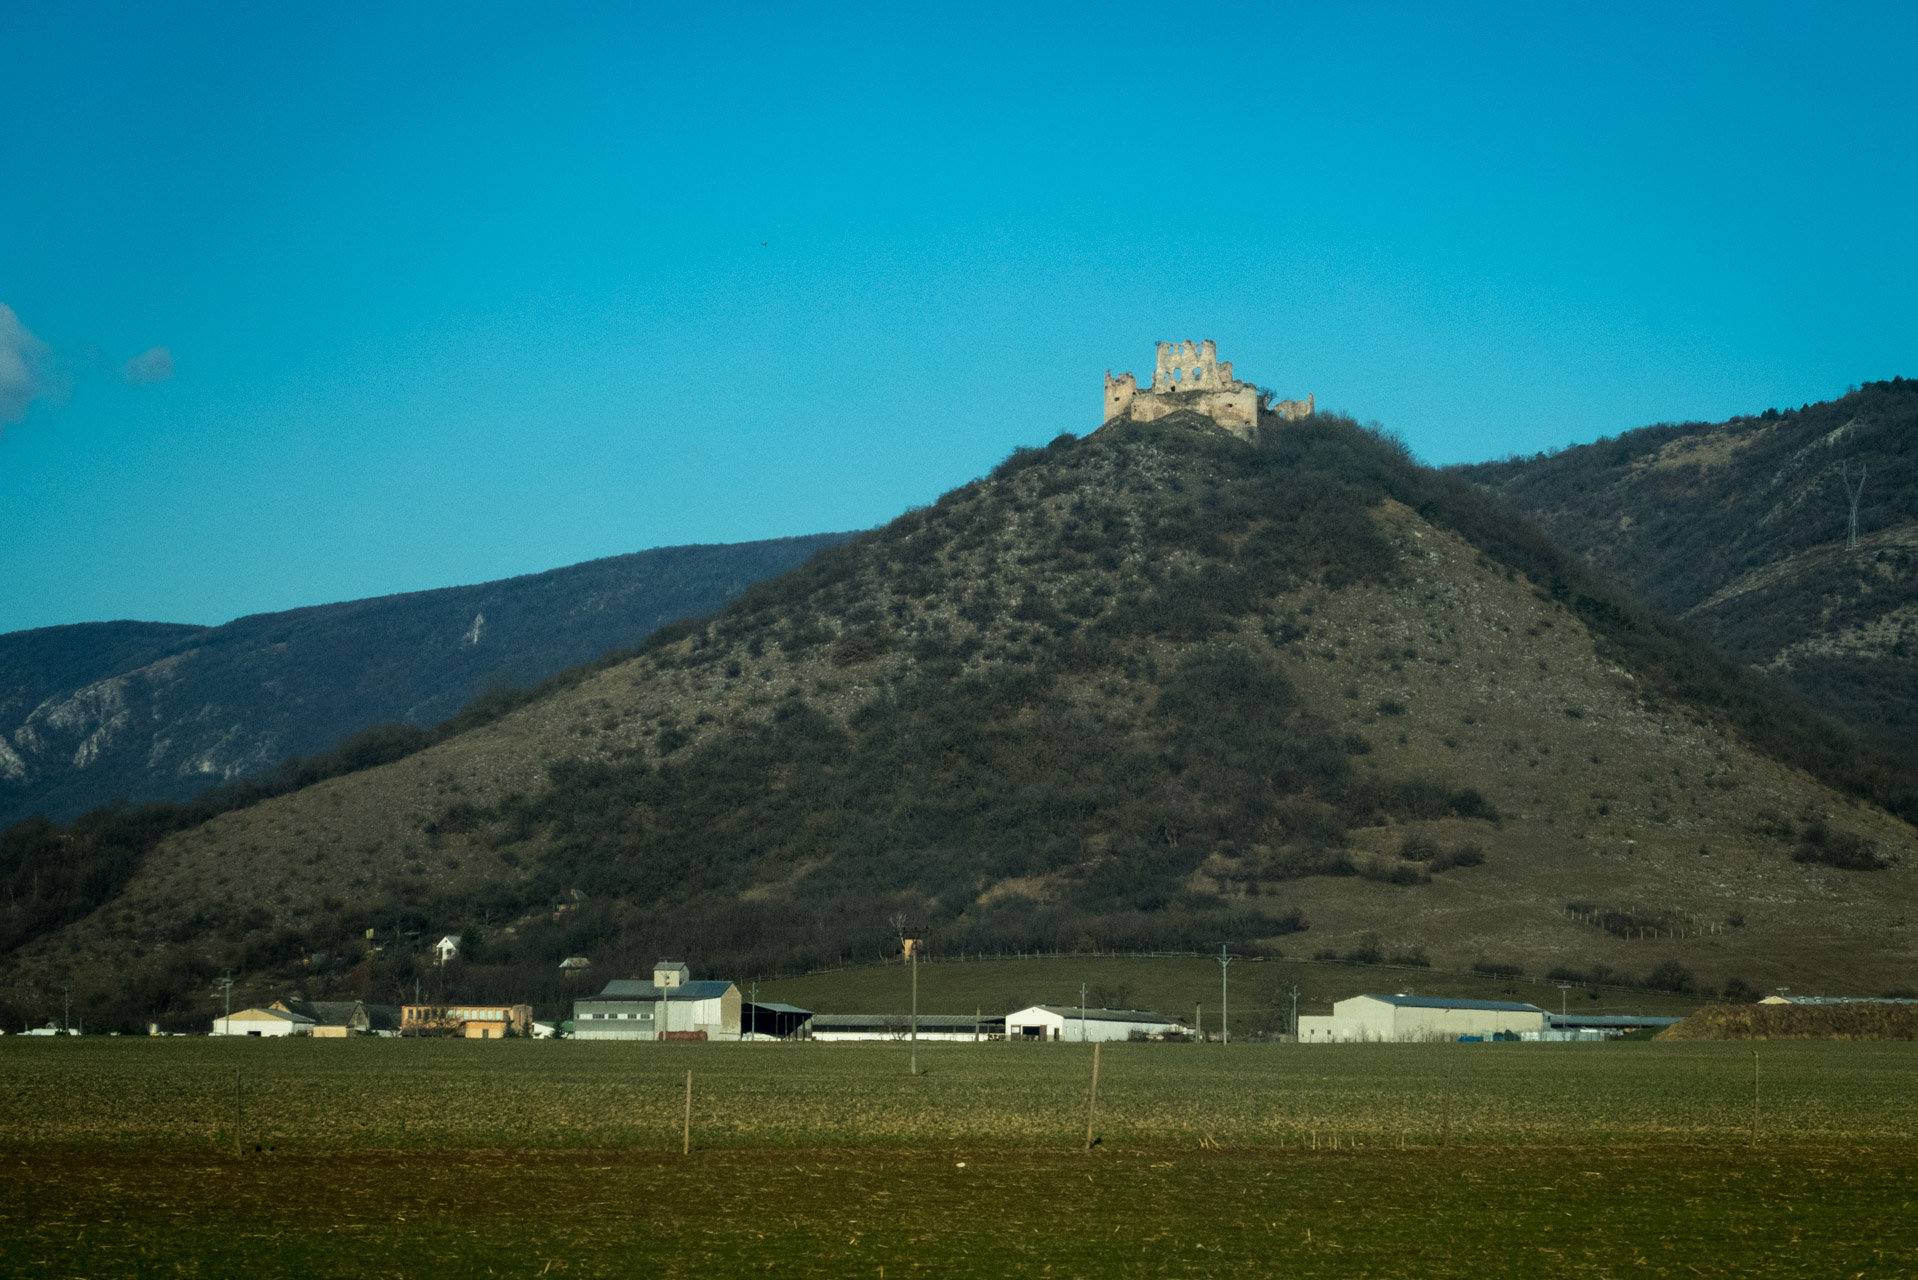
[1153,688]
[1741,528]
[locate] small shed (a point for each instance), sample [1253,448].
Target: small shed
[446,949]
[764,1021]
[1072,1023]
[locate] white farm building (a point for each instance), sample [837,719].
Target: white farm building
[1363,1019]
[1070,1022]
[264,1022]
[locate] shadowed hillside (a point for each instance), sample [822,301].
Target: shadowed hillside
[136,711]
[1741,528]
[1155,688]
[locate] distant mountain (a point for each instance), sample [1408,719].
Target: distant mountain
[138,711]
[1741,527]
[1154,689]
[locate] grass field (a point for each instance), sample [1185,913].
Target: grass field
[437,1158]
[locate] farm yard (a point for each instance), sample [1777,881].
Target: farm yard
[383,1157]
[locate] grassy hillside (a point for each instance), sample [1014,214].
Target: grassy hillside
[1741,527]
[1151,689]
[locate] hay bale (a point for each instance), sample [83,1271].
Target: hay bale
[1797,1022]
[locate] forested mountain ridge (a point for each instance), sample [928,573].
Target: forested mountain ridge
[1741,528]
[1158,687]
[104,712]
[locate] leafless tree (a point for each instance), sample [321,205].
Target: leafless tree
[1853,490]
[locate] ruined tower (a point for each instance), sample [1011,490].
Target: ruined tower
[1191,376]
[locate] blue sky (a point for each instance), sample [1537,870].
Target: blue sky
[470,291]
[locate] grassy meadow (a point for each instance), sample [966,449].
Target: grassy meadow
[440,1158]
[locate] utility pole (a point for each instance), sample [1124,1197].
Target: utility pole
[1295,1013]
[1563,987]
[752,1000]
[1225,1023]
[66,1010]
[1082,1013]
[909,939]
[226,984]
[1852,492]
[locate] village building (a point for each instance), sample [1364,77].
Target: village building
[1072,1023]
[473,1021]
[670,1007]
[338,1019]
[1420,1019]
[446,949]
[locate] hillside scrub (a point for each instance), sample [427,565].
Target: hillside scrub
[1741,527]
[1058,709]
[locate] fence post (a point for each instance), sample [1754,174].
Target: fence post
[686,1133]
[236,1111]
[1754,1097]
[1092,1101]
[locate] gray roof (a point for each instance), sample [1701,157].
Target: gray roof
[776,1008]
[1110,1015]
[1602,1020]
[633,989]
[1441,1002]
[1849,1000]
[339,1013]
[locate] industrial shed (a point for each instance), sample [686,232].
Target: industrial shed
[1070,1022]
[670,1007]
[898,1026]
[1417,1019]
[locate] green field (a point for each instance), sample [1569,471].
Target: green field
[436,1158]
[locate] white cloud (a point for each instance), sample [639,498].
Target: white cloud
[155,364]
[23,359]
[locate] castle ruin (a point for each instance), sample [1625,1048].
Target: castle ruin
[1191,376]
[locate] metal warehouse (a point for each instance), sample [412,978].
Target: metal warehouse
[898,1026]
[1418,1019]
[1070,1022]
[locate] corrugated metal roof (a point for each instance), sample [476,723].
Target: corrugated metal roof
[776,1008]
[1600,1020]
[1441,1002]
[1106,1015]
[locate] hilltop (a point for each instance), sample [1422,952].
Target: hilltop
[1154,688]
[1741,529]
[134,711]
